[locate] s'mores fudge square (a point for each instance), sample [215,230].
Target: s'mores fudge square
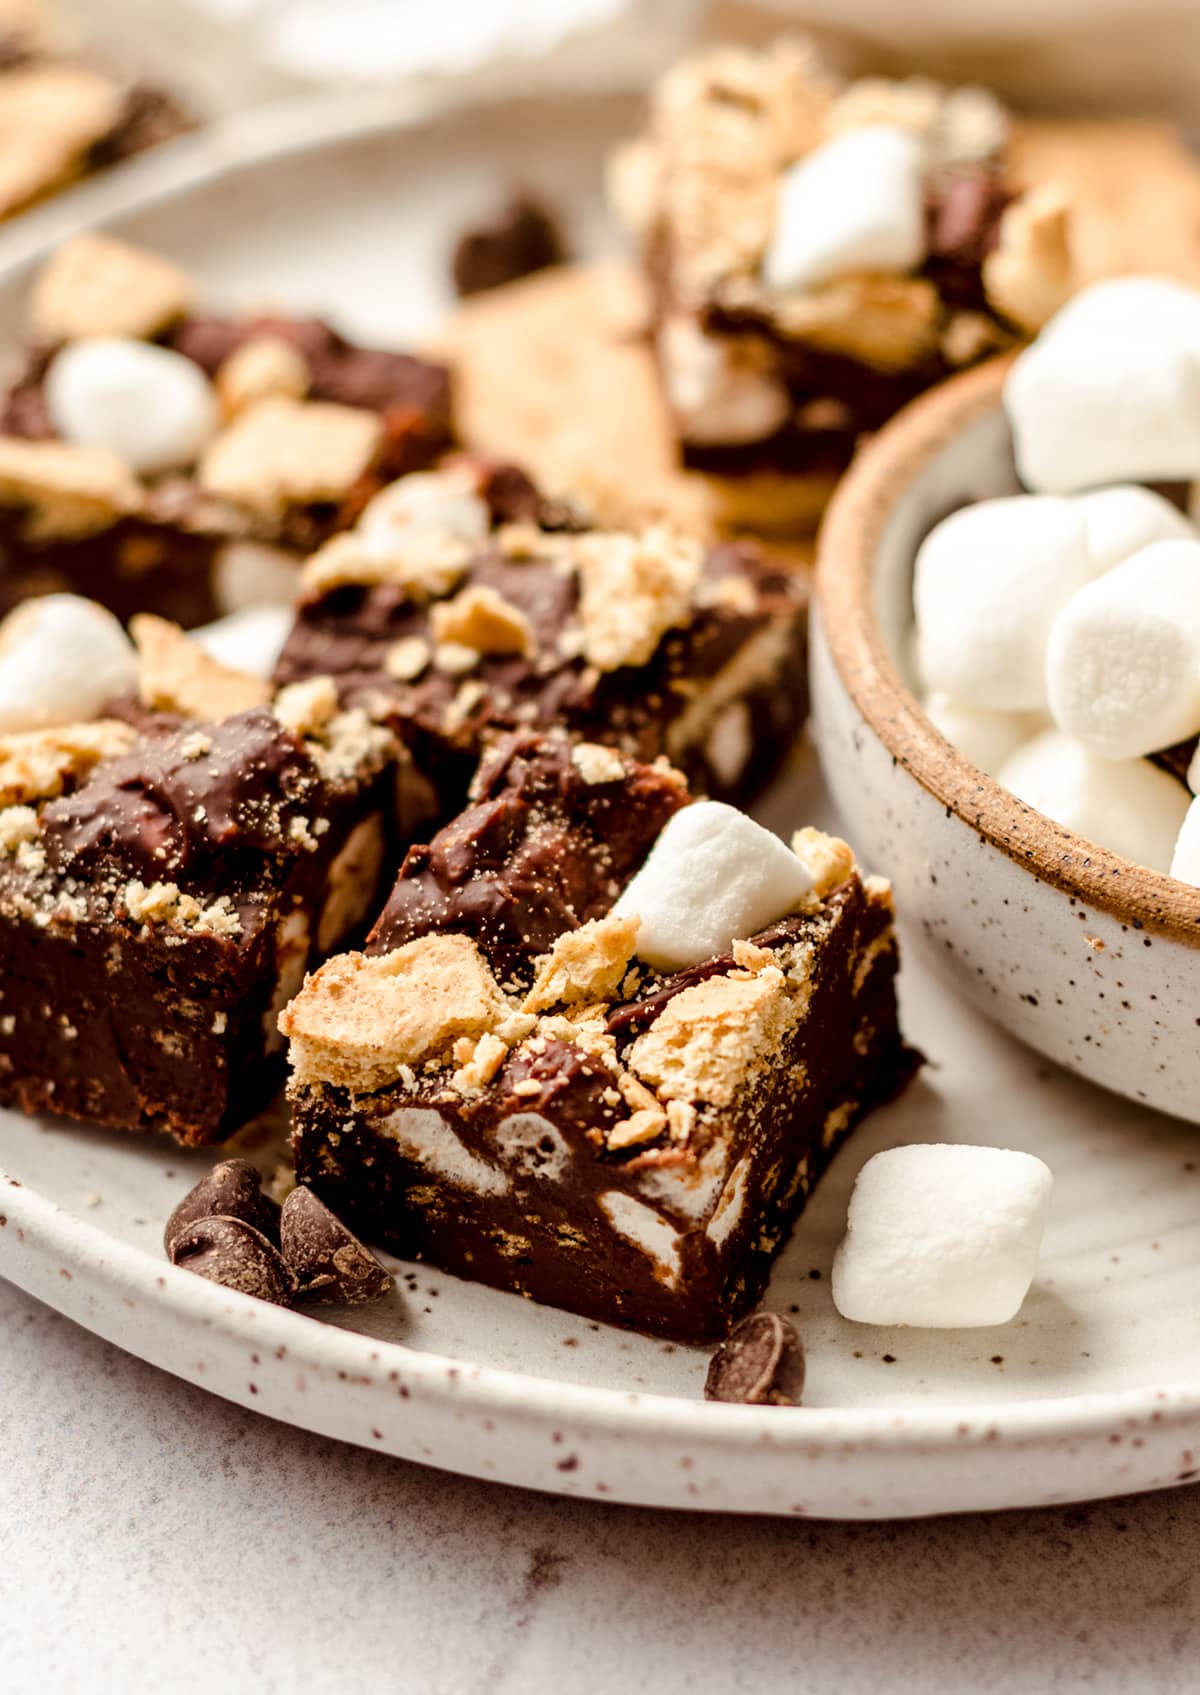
[464,605]
[501,1083]
[213,451]
[169,869]
[819,252]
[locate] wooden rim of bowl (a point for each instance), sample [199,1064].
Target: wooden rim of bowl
[846,549]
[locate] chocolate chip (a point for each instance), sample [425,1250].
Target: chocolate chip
[231,1252]
[760,1362]
[522,239]
[232,1189]
[327,1260]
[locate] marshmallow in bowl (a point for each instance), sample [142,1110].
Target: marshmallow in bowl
[1110,391]
[712,877]
[942,1236]
[250,640]
[1123,660]
[62,658]
[152,407]
[1127,805]
[985,737]
[988,582]
[1124,517]
[855,204]
[1185,861]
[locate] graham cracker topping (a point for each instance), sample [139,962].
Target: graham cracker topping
[37,764]
[50,116]
[1031,274]
[69,491]
[262,367]
[98,285]
[704,1043]
[176,675]
[281,452]
[829,859]
[480,618]
[632,590]
[584,965]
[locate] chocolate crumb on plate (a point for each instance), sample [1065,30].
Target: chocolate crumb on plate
[524,237]
[760,1363]
[232,1189]
[328,1260]
[233,1253]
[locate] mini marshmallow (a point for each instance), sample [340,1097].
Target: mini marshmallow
[855,204]
[1123,659]
[988,582]
[251,640]
[722,389]
[942,1236]
[986,738]
[712,877]
[426,501]
[151,406]
[62,659]
[1124,517]
[1127,805]
[1110,390]
[1185,861]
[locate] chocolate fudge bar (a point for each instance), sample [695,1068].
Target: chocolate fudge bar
[498,1084]
[483,608]
[773,380]
[304,426]
[167,874]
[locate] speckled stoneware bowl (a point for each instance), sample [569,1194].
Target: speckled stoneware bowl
[1089,958]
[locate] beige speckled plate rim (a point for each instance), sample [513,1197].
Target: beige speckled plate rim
[850,537]
[64,1241]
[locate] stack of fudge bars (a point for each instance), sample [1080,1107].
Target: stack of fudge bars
[484,716]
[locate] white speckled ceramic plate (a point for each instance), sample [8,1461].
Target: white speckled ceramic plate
[1094,1390]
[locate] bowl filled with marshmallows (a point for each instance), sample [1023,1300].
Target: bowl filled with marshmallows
[1006,681]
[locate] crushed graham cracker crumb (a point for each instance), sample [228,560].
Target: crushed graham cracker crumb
[37,764]
[18,824]
[480,618]
[308,707]
[597,764]
[632,590]
[829,859]
[641,1126]
[479,1061]
[263,366]
[407,658]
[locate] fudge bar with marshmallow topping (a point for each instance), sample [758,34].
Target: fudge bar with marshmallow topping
[161,459]
[499,1085]
[168,872]
[464,605]
[819,253]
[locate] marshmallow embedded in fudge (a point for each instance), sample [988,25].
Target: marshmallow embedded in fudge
[1110,390]
[426,502]
[1124,517]
[713,877]
[941,1236]
[855,204]
[986,737]
[150,405]
[62,658]
[251,640]
[1127,805]
[988,582]
[1123,659]
[723,389]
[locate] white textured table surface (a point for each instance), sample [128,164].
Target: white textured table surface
[155,1538]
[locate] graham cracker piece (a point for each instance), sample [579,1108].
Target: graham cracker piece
[36,765]
[584,965]
[281,452]
[1030,273]
[96,284]
[829,859]
[480,618]
[50,115]
[68,491]
[632,590]
[263,366]
[176,675]
[704,1042]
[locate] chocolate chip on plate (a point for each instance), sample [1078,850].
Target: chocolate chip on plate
[760,1362]
[232,1189]
[328,1261]
[231,1252]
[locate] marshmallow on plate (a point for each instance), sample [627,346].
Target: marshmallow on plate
[1124,517]
[855,204]
[713,877]
[988,582]
[425,502]
[942,1236]
[1123,659]
[150,405]
[1185,861]
[62,658]
[985,737]
[1127,805]
[1110,390]
[250,640]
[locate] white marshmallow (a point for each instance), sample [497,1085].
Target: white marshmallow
[62,658]
[1185,861]
[1124,517]
[721,389]
[713,877]
[1110,390]
[942,1236]
[250,640]
[1128,805]
[855,204]
[987,738]
[425,502]
[1123,659]
[987,583]
[250,574]
[153,407]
